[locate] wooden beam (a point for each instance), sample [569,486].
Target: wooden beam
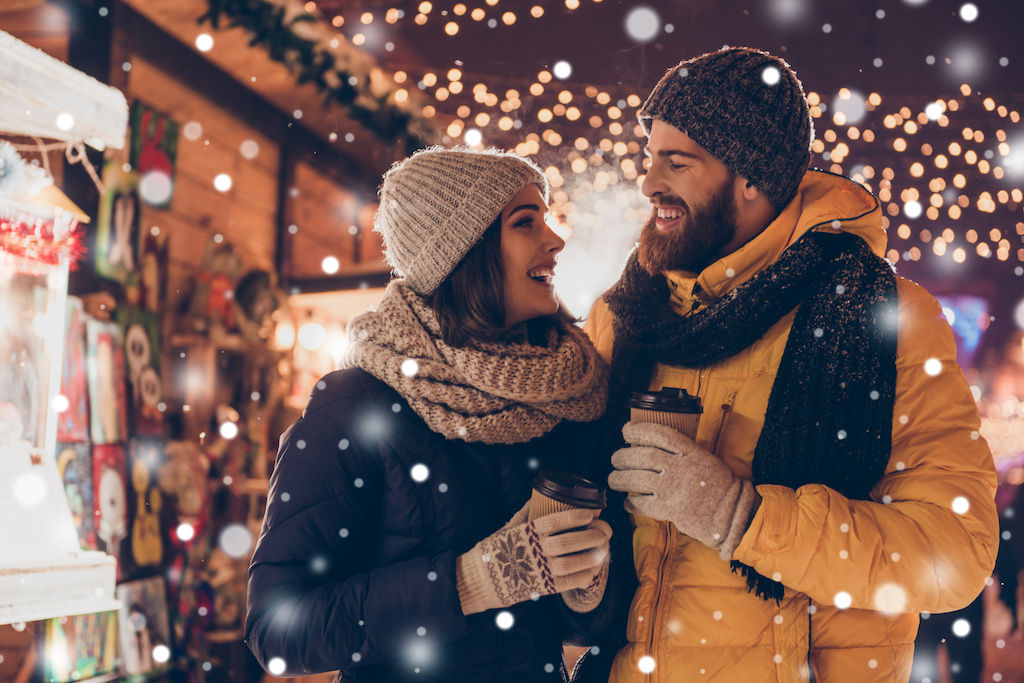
[331,284]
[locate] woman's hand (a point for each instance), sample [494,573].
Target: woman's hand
[587,598]
[527,560]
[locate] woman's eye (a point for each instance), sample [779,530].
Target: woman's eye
[524,223]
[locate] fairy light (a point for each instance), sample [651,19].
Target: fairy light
[948,161]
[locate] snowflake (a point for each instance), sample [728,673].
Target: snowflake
[515,563]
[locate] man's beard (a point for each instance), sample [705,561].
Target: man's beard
[698,243]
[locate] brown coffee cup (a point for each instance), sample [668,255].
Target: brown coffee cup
[672,407]
[558,491]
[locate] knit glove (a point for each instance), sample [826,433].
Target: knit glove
[527,560]
[679,482]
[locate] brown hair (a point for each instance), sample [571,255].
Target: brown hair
[470,302]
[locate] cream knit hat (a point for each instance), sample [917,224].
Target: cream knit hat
[435,205]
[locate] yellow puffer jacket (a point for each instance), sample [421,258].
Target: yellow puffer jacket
[856,572]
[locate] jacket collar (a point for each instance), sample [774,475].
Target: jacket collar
[824,201]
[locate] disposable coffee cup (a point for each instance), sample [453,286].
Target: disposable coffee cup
[672,407]
[558,491]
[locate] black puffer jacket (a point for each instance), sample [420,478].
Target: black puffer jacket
[355,565]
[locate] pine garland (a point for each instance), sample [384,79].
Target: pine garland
[270,28]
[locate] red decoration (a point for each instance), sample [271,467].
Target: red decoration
[41,240]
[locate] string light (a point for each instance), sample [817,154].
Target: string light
[952,151]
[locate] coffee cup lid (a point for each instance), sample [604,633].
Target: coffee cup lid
[570,489]
[669,399]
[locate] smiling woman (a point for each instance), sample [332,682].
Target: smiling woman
[465,380]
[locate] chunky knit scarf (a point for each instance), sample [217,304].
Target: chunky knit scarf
[829,415]
[498,392]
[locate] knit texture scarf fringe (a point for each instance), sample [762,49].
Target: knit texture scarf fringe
[829,414]
[498,392]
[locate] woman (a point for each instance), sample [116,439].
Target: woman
[385,550]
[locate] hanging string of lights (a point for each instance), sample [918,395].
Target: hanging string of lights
[948,171]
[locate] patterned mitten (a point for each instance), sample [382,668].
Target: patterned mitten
[528,560]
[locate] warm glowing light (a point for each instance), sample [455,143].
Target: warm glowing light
[312,336]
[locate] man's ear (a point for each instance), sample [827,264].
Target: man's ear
[750,193]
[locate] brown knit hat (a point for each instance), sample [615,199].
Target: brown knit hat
[435,205]
[744,106]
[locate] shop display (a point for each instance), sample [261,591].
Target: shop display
[73,422]
[117,224]
[146,505]
[110,496]
[105,368]
[141,333]
[74,460]
[79,647]
[43,570]
[153,150]
[143,625]
[212,307]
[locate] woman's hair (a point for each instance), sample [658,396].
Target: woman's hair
[470,302]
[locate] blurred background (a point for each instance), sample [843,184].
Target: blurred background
[216,165]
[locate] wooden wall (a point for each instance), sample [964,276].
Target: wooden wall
[246,215]
[326,218]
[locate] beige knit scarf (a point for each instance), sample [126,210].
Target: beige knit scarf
[498,392]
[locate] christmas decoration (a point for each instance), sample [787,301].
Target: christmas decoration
[44,241]
[286,36]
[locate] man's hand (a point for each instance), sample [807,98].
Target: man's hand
[677,481]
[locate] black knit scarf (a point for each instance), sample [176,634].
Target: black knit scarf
[829,415]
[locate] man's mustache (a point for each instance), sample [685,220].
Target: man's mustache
[668,201]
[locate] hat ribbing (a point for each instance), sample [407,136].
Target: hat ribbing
[744,106]
[435,205]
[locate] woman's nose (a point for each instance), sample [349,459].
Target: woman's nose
[553,242]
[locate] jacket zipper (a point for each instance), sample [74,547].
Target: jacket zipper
[657,598]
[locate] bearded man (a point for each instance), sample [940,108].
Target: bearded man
[836,485]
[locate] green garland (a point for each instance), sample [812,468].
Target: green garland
[311,63]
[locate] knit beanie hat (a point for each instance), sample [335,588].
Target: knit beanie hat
[435,205]
[744,106]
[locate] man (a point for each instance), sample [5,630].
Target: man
[837,485]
